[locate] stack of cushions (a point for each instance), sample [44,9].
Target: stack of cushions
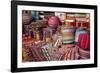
[68,35]
[68,29]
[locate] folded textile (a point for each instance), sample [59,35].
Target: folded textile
[37,53]
[70,52]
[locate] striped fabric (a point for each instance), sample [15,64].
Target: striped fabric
[70,52]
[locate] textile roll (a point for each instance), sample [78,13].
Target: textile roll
[84,41]
[78,32]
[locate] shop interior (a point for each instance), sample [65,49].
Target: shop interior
[55,36]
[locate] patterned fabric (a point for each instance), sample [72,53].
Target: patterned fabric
[70,52]
[37,52]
